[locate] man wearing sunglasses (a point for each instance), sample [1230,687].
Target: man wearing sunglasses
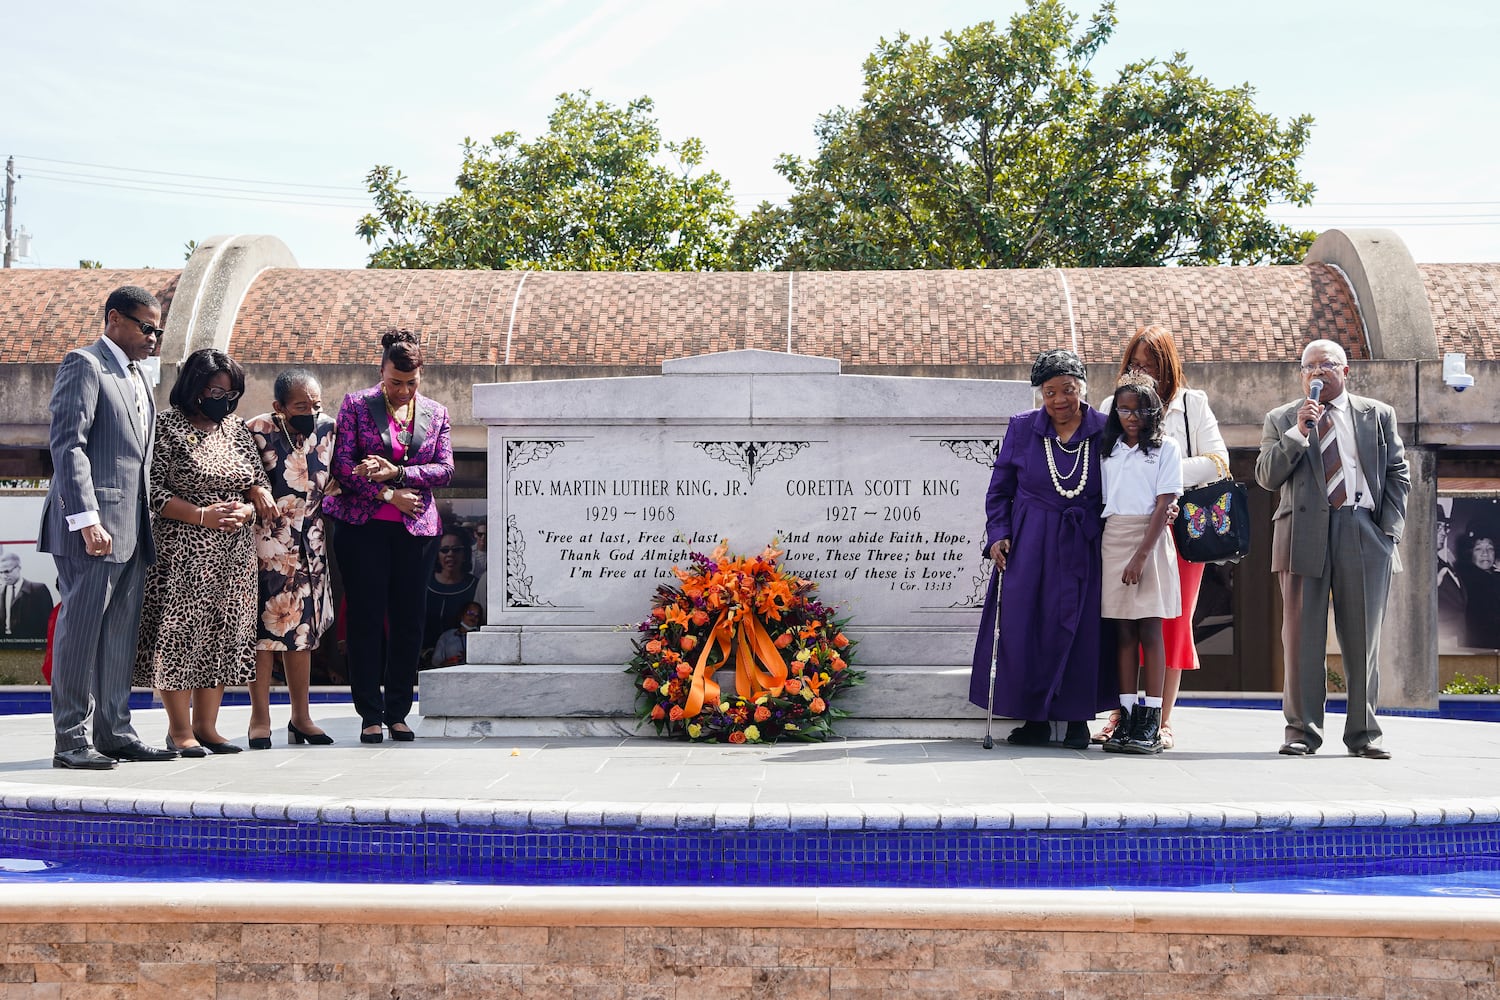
[1339,465]
[97,526]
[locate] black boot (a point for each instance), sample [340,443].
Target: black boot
[1032,734]
[1145,732]
[1077,736]
[1121,735]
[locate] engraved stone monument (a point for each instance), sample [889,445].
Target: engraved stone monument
[873,486]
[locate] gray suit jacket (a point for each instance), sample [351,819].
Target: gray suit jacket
[1299,540]
[100,457]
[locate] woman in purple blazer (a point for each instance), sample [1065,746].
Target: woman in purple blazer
[392,449]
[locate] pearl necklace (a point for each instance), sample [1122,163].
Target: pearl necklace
[1082,459]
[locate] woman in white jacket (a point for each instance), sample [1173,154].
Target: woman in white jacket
[1190,422]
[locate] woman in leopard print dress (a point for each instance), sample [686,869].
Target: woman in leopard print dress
[198,620]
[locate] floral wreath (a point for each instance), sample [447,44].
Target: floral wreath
[790,655]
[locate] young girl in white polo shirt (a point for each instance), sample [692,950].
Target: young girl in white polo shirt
[1142,475]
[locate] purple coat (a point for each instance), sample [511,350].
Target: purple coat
[364,429]
[1052,664]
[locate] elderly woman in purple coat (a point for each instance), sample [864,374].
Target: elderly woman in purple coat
[392,448]
[1043,533]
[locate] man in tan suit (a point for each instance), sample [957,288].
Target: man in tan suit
[1340,467]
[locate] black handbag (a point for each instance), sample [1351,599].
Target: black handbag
[1213,525]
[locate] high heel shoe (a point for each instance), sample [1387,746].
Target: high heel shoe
[198,751]
[401,735]
[260,742]
[376,737]
[296,737]
[220,747]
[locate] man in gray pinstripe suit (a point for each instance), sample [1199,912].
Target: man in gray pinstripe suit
[97,525]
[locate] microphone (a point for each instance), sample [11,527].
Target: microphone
[1314,390]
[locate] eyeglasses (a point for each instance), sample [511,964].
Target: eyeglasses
[146,328]
[1127,412]
[1326,368]
[450,549]
[217,393]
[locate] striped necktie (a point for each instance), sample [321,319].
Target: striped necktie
[139,384]
[1333,462]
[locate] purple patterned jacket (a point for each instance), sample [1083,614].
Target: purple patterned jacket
[364,429]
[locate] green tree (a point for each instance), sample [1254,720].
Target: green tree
[90,265]
[590,195]
[1001,149]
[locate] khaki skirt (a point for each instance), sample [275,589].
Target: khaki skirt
[1159,594]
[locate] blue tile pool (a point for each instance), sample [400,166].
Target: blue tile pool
[1459,859]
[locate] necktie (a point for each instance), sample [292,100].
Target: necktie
[1333,463]
[139,385]
[10,596]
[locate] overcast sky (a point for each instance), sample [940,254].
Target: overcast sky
[135,133]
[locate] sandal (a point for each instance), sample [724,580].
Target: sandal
[1115,718]
[1168,741]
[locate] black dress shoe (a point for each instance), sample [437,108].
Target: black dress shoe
[260,743]
[401,735]
[138,751]
[220,747]
[297,737]
[1371,752]
[1036,733]
[82,758]
[193,751]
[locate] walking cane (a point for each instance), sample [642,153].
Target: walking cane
[989,712]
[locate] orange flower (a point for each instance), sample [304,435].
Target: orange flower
[683,670]
[658,613]
[699,617]
[736,737]
[783,640]
[670,657]
[817,706]
[676,713]
[796,668]
[675,616]
[793,685]
[762,713]
[650,684]
[658,713]
[688,643]
[653,647]
[838,662]
[840,641]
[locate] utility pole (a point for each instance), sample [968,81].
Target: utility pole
[10,207]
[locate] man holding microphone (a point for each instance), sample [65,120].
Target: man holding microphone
[1340,467]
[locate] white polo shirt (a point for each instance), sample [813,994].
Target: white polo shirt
[1133,479]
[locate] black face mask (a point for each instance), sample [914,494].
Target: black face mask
[215,409]
[302,423]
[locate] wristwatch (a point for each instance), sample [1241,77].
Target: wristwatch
[387,494]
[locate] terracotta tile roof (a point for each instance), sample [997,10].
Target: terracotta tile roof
[575,318]
[936,318]
[863,318]
[292,316]
[46,313]
[1465,303]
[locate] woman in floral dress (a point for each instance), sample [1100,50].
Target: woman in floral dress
[295,441]
[198,619]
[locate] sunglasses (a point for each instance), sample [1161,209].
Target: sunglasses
[1127,412]
[450,549]
[217,393]
[146,328]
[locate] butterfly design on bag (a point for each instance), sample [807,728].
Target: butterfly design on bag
[1198,517]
